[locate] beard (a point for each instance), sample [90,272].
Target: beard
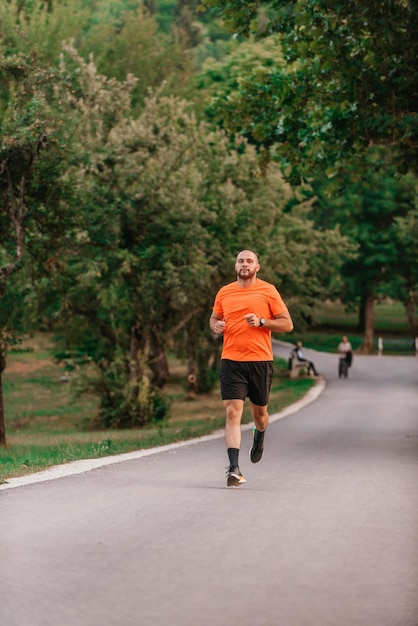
[246,274]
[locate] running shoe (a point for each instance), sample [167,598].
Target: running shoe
[257,448]
[234,478]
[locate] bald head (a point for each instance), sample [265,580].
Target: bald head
[247,254]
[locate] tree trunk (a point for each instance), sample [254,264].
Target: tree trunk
[367,345]
[157,361]
[192,382]
[361,321]
[136,350]
[411,307]
[2,420]
[2,423]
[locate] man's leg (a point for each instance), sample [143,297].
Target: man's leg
[261,419]
[233,414]
[260,416]
[312,366]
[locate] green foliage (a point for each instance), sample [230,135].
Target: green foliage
[350,80]
[239,89]
[40,26]
[32,214]
[134,43]
[406,287]
[123,36]
[135,46]
[371,206]
[331,97]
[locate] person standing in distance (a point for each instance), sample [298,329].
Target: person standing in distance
[246,312]
[345,352]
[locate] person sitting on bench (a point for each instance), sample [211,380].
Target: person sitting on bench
[298,352]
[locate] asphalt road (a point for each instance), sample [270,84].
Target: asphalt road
[324,533]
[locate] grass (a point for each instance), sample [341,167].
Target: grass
[390,317]
[46,425]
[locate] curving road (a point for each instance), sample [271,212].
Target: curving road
[324,533]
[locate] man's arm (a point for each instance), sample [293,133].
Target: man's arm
[216,323]
[280,324]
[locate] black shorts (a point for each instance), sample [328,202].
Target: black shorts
[242,379]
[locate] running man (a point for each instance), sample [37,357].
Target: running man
[246,312]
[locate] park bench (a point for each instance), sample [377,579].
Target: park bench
[399,345]
[295,366]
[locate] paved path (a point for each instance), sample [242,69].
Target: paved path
[324,533]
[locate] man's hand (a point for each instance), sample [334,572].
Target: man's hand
[218,327]
[252,319]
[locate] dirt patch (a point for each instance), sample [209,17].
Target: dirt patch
[24,367]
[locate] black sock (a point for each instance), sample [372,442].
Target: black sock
[233,454]
[259,435]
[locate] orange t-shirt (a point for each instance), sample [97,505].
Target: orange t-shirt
[241,341]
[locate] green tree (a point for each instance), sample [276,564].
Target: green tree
[122,36]
[371,207]
[406,286]
[341,84]
[36,25]
[31,203]
[141,239]
[134,45]
[350,72]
